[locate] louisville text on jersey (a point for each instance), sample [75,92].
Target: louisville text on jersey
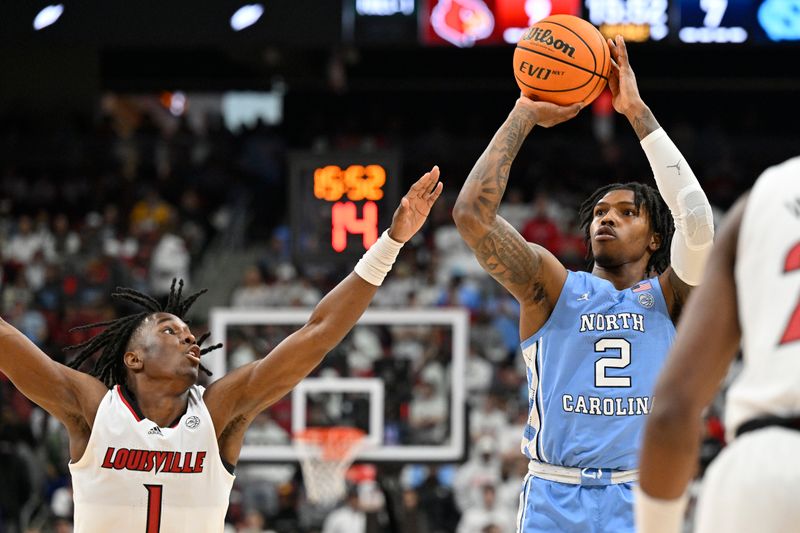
[157,461]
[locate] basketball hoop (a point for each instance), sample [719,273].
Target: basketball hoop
[325,455]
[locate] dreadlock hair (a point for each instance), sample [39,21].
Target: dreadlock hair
[660,219]
[112,341]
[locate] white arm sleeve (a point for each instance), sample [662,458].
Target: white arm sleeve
[694,221]
[654,515]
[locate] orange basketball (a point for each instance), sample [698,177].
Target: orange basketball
[562,59]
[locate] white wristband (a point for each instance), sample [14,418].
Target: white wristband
[378,260]
[654,515]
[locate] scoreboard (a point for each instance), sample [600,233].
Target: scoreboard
[467,23]
[340,202]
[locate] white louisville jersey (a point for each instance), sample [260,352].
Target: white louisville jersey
[138,477]
[768,290]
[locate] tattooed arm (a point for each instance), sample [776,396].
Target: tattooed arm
[532,274]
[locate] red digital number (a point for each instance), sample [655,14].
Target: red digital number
[345,221]
[792,263]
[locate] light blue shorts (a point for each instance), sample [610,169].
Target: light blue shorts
[552,507]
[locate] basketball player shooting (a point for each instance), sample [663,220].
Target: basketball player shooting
[150,449]
[594,342]
[749,294]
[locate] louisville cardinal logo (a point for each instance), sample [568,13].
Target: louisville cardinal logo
[462,22]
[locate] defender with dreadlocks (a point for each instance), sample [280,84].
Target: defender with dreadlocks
[156,451]
[593,343]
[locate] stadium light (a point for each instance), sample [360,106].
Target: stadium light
[246,16]
[47,16]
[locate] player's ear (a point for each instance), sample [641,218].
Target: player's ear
[655,242]
[132,360]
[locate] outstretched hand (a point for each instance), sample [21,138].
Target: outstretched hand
[621,80]
[415,206]
[546,114]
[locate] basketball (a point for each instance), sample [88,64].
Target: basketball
[562,59]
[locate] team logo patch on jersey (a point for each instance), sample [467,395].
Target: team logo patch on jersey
[155,431]
[647,300]
[192,422]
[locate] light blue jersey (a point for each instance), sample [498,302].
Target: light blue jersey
[591,371]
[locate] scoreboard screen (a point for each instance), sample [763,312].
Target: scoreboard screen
[466,23]
[340,202]
[635,20]
[738,21]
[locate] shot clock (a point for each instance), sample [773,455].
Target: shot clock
[340,202]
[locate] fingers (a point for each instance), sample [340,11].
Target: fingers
[622,50]
[619,52]
[426,182]
[426,185]
[433,179]
[437,191]
[622,46]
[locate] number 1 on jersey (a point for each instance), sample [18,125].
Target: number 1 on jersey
[153,508]
[792,264]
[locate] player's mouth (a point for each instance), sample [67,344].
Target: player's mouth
[605,233]
[194,354]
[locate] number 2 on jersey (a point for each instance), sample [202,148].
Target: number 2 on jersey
[792,264]
[624,359]
[153,508]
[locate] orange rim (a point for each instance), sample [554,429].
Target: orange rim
[335,442]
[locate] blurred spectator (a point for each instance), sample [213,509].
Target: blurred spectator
[488,420]
[477,375]
[253,523]
[65,242]
[29,321]
[412,518]
[115,242]
[349,518]
[542,229]
[428,414]
[25,243]
[483,468]
[514,209]
[170,260]
[253,291]
[486,515]
[151,213]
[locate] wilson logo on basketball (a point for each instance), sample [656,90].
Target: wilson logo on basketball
[546,37]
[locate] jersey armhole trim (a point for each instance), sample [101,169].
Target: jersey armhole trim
[559,303]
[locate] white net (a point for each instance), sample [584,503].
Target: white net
[325,455]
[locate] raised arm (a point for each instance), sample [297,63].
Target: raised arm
[238,397]
[691,211]
[70,396]
[532,274]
